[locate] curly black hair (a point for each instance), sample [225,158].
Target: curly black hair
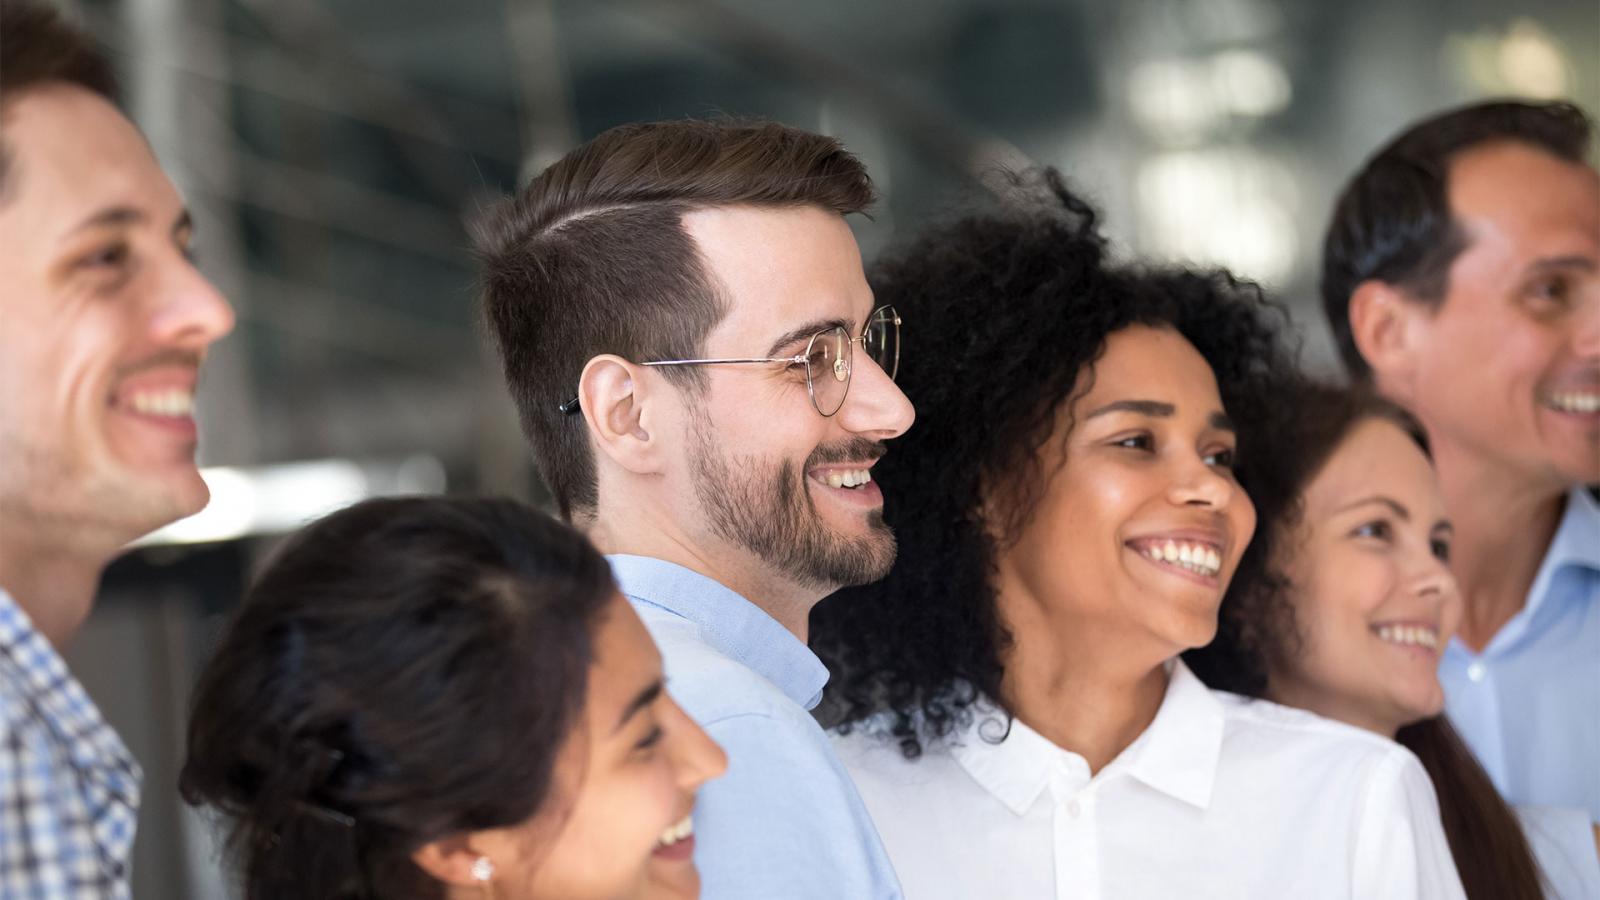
[1005,306]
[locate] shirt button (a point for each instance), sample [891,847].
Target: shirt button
[1477,670]
[1073,808]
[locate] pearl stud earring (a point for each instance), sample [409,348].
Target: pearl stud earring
[482,869]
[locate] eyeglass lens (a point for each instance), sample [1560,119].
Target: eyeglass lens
[829,358]
[828,369]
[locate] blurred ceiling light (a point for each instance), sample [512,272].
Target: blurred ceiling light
[1250,82]
[1181,100]
[1224,206]
[280,498]
[1173,99]
[1530,61]
[1524,59]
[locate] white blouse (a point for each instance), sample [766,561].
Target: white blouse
[1221,797]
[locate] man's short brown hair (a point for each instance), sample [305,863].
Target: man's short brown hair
[592,258]
[38,47]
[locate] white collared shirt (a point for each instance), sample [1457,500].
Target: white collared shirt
[1220,797]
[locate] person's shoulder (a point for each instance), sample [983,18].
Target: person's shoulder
[708,683]
[873,753]
[1261,727]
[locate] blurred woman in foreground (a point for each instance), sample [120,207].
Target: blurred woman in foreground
[441,698]
[1358,605]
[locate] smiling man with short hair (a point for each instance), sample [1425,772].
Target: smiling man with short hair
[706,382]
[104,322]
[1462,277]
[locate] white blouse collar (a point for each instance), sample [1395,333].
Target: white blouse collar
[1177,754]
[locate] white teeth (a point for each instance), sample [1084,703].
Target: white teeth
[1420,636]
[850,479]
[1574,401]
[677,832]
[1197,558]
[174,403]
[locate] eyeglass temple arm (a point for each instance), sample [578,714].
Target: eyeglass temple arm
[571,406]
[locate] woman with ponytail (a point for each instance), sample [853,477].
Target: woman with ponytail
[444,698]
[1355,608]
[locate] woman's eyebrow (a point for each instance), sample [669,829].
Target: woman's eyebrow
[644,699]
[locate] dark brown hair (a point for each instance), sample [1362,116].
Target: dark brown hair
[38,47]
[405,670]
[1393,223]
[592,258]
[1257,623]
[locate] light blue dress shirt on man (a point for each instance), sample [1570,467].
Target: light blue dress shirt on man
[785,822]
[1529,704]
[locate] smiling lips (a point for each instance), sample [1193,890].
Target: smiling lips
[677,842]
[1202,559]
[174,403]
[1583,403]
[1409,635]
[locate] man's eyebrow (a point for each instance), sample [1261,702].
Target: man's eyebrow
[1394,506]
[1571,261]
[804,332]
[644,699]
[112,216]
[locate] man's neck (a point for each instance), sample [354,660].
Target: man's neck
[640,534]
[55,586]
[1504,522]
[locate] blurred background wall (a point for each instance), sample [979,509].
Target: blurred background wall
[334,149]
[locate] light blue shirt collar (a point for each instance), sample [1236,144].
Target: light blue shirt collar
[730,623]
[1576,543]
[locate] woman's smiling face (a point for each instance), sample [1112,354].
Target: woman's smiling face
[1374,602]
[1141,524]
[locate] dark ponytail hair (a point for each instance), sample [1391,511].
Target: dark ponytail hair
[1257,622]
[404,670]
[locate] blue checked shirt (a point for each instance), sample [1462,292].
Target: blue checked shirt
[69,791]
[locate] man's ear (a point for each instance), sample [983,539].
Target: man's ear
[616,403]
[1384,323]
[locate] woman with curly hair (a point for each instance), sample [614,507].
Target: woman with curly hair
[1014,709]
[445,698]
[1359,606]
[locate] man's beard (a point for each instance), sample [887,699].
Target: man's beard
[770,513]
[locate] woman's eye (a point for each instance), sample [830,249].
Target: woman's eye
[1222,459]
[1135,442]
[1378,529]
[649,741]
[1441,549]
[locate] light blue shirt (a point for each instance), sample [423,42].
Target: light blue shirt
[785,822]
[1529,705]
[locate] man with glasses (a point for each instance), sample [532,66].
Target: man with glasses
[706,382]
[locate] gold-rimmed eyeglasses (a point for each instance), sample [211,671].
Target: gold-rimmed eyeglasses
[828,359]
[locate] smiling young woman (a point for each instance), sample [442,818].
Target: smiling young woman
[1014,709]
[1352,624]
[445,698]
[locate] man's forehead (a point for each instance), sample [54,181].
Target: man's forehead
[72,154]
[779,269]
[1520,184]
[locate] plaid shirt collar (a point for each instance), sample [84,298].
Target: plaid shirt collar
[108,774]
